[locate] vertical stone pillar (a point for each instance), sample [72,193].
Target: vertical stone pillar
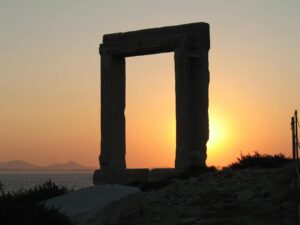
[191,86]
[112,112]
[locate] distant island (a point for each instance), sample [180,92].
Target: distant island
[19,165]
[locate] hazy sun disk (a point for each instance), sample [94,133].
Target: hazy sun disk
[218,133]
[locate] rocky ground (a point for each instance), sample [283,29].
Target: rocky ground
[233,197]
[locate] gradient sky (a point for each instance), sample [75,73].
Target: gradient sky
[50,78]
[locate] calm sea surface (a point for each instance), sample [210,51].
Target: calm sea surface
[14,181]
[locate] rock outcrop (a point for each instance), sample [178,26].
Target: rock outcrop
[99,205]
[243,197]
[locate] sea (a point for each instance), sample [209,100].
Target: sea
[23,180]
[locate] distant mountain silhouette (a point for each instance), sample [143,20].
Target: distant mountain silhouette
[67,166]
[22,165]
[18,165]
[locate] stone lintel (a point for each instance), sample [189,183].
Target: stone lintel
[197,29]
[140,47]
[156,40]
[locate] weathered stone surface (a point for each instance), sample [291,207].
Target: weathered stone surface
[99,205]
[125,177]
[190,43]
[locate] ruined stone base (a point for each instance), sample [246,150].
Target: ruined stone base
[135,176]
[163,174]
[125,177]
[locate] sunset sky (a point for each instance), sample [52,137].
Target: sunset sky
[50,78]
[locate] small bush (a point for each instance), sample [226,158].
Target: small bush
[24,207]
[39,193]
[260,160]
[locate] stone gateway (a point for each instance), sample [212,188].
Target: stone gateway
[190,44]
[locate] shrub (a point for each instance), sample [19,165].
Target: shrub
[39,193]
[260,160]
[2,191]
[24,207]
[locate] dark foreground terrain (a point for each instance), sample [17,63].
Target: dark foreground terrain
[249,196]
[25,207]
[245,193]
[255,190]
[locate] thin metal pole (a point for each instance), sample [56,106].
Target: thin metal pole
[296,135]
[293,137]
[294,126]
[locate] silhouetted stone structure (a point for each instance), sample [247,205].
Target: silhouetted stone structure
[190,44]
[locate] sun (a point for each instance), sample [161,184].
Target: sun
[223,133]
[218,133]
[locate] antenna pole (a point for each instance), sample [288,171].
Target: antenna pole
[296,135]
